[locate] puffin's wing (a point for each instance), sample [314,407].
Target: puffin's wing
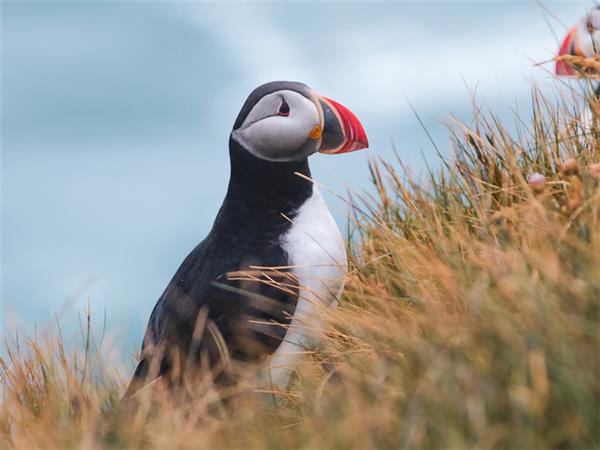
[207,313]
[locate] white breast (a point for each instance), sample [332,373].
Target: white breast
[317,254]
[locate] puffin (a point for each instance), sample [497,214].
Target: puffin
[251,293]
[583,39]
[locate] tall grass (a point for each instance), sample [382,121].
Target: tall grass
[470,319]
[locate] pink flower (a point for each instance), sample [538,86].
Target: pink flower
[537,181]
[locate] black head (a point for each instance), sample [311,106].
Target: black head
[288,121]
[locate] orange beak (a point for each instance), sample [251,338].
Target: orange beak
[568,47]
[342,131]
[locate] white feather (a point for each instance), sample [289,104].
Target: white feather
[317,252]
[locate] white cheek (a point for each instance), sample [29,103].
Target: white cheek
[284,132]
[278,137]
[588,42]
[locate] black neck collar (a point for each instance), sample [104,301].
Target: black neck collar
[265,175]
[261,190]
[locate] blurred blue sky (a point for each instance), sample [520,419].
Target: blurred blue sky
[116,116]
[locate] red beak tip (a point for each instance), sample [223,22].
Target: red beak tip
[363,141]
[562,68]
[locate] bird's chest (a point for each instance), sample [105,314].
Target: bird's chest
[316,251]
[317,255]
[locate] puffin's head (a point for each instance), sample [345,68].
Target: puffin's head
[288,121]
[581,40]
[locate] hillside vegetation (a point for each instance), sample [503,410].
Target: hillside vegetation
[470,319]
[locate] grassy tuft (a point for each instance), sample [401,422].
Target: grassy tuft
[470,319]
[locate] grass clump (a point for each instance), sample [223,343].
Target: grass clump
[470,319]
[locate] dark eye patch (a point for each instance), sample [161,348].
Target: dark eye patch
[284,108]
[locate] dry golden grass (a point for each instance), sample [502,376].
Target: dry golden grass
[588,67]
[470,320]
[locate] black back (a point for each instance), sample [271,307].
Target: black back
[202,308]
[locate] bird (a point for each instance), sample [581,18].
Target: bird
[249,293]
[583,39]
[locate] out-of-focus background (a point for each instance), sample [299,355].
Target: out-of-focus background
[116,116]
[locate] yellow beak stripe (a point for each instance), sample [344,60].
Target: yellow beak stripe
[316,132]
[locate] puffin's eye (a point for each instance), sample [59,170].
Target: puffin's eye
[284,108]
